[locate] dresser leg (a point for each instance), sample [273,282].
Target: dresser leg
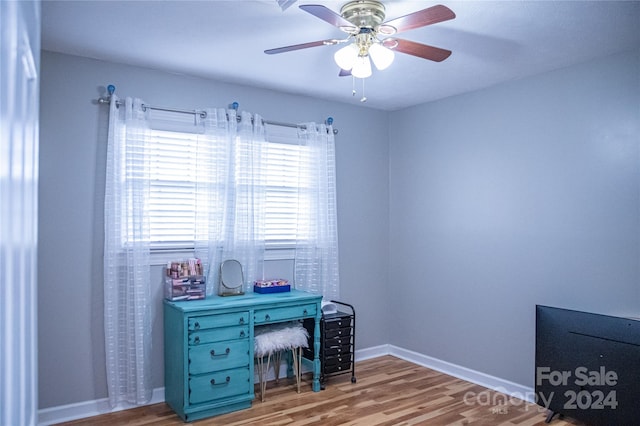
[316,355]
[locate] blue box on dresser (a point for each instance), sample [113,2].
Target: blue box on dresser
[274,289]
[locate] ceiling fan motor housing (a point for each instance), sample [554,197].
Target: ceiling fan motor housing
[364,13]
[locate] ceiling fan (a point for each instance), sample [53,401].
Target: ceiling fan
[363,21]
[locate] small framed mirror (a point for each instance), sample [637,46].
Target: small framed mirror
[231,278]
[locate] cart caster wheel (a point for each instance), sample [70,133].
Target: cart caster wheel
[322,387]
[353,379]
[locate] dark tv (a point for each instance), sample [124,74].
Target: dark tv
[588,366]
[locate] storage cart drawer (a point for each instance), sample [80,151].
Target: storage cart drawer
[337,350]
[337,363]
[337,333]
[337,323]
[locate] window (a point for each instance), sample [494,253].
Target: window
[188,185]
[287,177]
[171,207]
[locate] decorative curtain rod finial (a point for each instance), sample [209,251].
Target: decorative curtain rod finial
[107,99]
[234,106]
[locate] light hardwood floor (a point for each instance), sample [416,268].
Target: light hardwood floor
[389,391]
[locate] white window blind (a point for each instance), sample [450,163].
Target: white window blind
[171,205]
[172,188]
[287,177]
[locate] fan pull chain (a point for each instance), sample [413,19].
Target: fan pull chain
[353,89]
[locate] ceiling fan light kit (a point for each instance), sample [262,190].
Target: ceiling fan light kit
[381,56]
[364,21]
[362,67]
[346,56]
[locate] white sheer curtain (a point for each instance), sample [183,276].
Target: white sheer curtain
[127,297]
[316,252]
[230,198]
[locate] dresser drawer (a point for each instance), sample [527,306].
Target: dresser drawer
[218,334]
[219,385]
[218,356]
[262,316]
[221,320]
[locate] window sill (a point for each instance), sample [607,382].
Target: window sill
[162,257]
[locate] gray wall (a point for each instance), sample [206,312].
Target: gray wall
[476,207]
[522,194]
[72,155]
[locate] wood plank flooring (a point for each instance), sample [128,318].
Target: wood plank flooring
[389,391]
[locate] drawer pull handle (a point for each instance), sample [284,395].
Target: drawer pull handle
[196,340]
[267,317]
[227,380]
[196,325]
[242,333]
[226,352]
[304,312]
[241,320]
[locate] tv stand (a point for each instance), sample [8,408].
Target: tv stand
[550,415]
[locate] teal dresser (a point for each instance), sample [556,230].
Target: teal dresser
[208,348]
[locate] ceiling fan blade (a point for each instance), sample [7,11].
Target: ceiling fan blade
[328,15]
[417,49]
[300,46]
[421,18]
[344,73]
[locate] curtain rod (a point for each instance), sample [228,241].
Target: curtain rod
[203,114]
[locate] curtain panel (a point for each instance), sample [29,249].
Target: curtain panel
[127,270]
[316,252]
[230,196]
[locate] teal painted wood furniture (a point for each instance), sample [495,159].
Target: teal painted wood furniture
[208,348]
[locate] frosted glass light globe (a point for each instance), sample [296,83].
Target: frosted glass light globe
[381,56]
[346,57]
[362,67]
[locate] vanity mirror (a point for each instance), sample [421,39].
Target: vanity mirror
[231,278]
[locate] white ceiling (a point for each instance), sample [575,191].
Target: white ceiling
[492,42]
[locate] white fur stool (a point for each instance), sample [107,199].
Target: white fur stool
[272,340]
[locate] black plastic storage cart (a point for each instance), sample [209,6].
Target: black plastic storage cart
[337,342]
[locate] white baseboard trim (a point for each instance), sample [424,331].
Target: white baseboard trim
[491,382]
[373,352]
[80,410]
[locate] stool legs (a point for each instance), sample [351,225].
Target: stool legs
[262,374]
[277,360]
[263,368]
[270,341]
[297,363]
